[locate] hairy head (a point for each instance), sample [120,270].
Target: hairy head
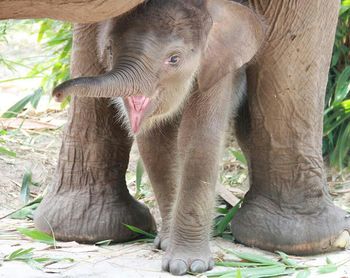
[154,53]
[158,46]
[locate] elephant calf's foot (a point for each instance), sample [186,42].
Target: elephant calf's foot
[179,260]
[162,240]
[300,230]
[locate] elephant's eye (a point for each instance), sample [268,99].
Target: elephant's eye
[173,60]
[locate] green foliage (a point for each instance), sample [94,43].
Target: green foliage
[4,150]
[37,236]
[55,38]
[250,265]
[224,220]
[18,107]
[336,141]
[139,174]
[27,182]
[27,256]
[140,232]
[106,242]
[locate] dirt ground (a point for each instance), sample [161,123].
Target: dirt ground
[37,151]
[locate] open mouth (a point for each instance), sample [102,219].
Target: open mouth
[137,108]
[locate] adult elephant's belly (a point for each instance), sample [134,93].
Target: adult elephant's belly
[78,11]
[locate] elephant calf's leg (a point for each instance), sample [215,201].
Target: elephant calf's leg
[288,207]
[201,138]
[158,149]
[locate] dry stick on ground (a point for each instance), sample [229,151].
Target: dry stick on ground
[225,194]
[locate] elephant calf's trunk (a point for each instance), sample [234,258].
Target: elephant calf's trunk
[108,85]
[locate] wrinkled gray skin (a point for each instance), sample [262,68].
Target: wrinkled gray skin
[180,64]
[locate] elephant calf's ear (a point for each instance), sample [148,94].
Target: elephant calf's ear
[236,36]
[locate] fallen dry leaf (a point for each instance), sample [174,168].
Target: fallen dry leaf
[26,124]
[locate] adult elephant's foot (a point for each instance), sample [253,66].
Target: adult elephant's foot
[180,259]
[298,230]
[92,215]
[88,200]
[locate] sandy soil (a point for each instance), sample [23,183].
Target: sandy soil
[37,151]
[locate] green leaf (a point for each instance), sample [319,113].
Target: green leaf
[345,2]
[254,258]
[238,273]
[258,272]
[286,260]
[240,157]
[303,274]
[25,188]
[7,152]
[25,213]
[343,85]
[222,225]
[14,110]
[139,174]
[36,97]
[238,264]
[104,242]
[139,231]
[37,236]
[329,268]
[20,254]
[222,210]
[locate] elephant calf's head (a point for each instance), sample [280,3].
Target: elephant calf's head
[156,53]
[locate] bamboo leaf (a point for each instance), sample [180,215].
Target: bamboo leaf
[240,157]
[19,254]
[255,258]
[104,242]
[329,268]
[7,152]
[25,188]
[223,223]
[17,108]
[303,274]
[139,174]
[139,231]
[37,236]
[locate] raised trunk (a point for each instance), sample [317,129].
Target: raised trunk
[80,11]
[117,83]
[288,207]
[88,200]
[107,85]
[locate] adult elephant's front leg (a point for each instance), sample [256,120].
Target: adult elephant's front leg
[288,207]
[88,200]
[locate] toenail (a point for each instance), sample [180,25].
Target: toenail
[178,267]
[198,266]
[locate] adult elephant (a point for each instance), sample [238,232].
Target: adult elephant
[287,207]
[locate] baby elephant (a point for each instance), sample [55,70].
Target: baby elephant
[176,70]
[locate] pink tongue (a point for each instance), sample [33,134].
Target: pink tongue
[137,105]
